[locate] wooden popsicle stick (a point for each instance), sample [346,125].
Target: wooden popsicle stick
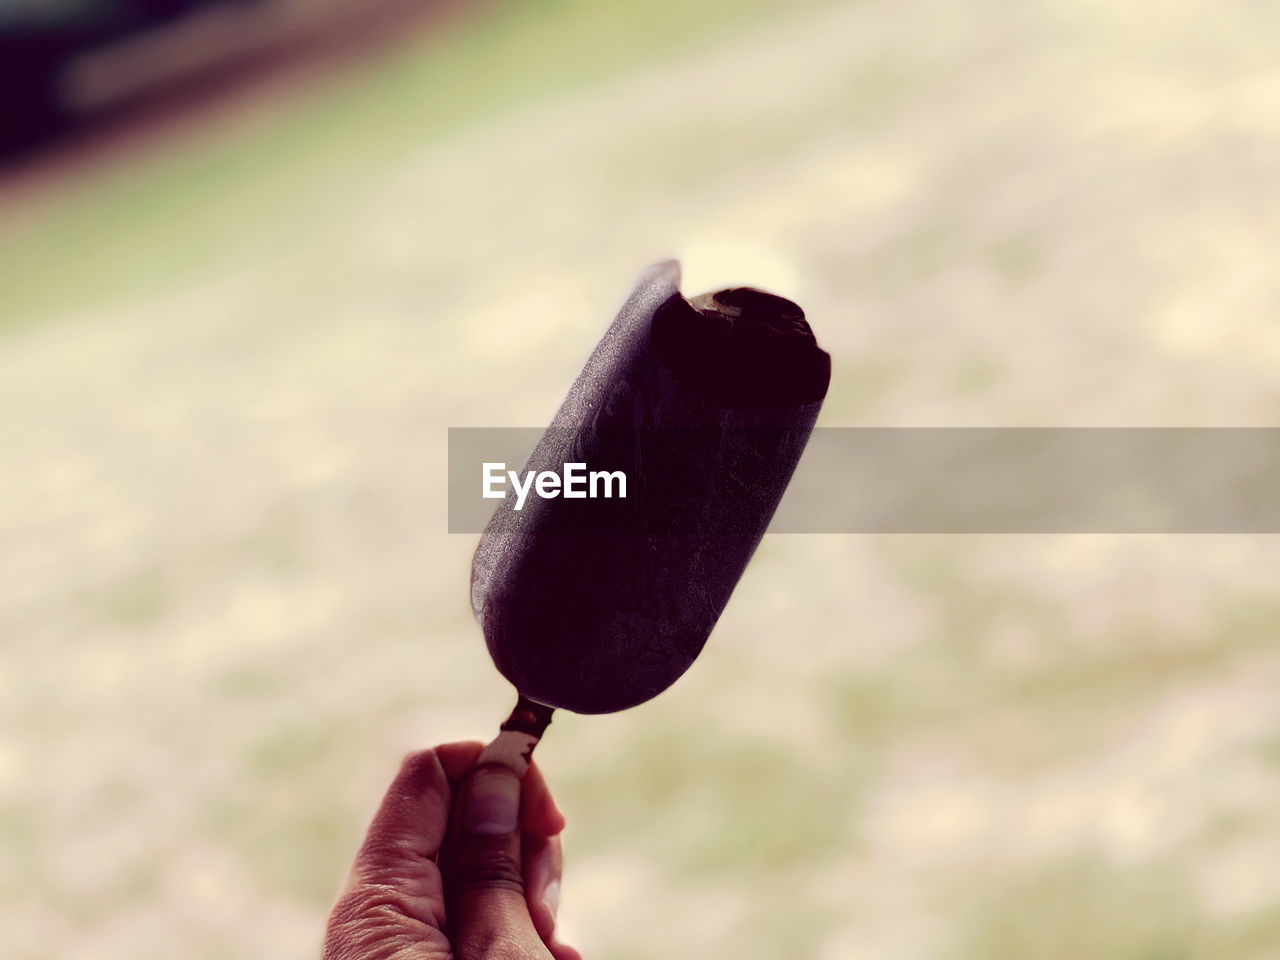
[513,746]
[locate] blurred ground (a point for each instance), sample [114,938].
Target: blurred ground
[229,604]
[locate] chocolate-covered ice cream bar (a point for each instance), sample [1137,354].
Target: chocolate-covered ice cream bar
[704,406]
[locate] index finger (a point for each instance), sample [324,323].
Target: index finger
[411,820]
[539,814]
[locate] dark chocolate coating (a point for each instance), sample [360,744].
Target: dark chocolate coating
[598,605]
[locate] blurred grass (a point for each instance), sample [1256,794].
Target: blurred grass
[252,186]
[1062,706]
[1085,909]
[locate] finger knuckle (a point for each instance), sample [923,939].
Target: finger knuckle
[490,870]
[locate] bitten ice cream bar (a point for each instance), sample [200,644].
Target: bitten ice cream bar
[596,604]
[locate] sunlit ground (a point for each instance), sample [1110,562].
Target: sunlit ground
[228,604]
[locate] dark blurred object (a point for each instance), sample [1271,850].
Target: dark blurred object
[39,38]
[63,62]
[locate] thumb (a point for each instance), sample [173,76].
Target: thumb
[484,878]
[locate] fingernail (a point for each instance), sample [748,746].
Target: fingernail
[551,898]
[493,802]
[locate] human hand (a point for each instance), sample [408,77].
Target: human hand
[459,864]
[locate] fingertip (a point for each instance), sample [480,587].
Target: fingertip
[562,951]
[414,760]
[419,771]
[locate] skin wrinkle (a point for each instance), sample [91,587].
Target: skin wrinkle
[420,899]
[389,855]
[496,874]
[385,933]
[477,865]
[390,902]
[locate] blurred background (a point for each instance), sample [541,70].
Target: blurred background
[257,256]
